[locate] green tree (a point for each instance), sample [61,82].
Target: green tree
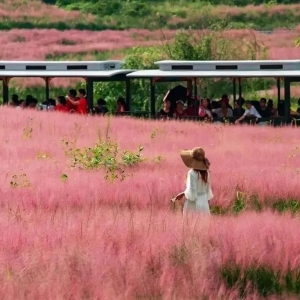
[210,45]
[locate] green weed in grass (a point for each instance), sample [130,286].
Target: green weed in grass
[262,280]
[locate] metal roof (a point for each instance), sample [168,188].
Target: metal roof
[60,65]
[245,65]
[57,73]
[207,74]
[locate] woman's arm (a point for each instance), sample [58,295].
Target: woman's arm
[240,119]
[73,102]
[179,196]
[166,96]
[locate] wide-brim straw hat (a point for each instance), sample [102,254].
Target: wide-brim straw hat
[195,159]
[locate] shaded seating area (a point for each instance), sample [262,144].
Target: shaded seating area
[90,71]
[287,72]
[183,103]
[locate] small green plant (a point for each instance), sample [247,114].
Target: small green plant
[20,180]
[262,279]
[105,154]
[282,206]
[130,158]
[64,177]
[239,203]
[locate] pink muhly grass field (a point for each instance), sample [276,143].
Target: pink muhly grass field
[100,253]
[260,161]
[37,11]
[38,44]
[88,238]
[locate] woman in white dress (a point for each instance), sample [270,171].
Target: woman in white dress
[198,185]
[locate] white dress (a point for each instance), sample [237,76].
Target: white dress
[197,193]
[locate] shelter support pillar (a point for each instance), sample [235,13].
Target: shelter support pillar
[128,94]
[90,93]
[240,96]
[195,88]
[47,90]
[189,86]
[240,88]
[287,98]
[5,89]
[152,97]
[278,90]
[234,89]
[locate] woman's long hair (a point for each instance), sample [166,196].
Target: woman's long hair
[203,174]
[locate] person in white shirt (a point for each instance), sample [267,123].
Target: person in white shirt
[249,112]
[224,111]
[198,185]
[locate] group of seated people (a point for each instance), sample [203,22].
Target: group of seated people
[72,103]
[76,102]
[205,109]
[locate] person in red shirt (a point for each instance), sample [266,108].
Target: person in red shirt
[180,111]
[190,111]
[121,105]
[81,104]
[70,98]
[61,105]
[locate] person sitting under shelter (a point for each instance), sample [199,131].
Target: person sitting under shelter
[70,98]
[61,106]
[31,102]
[249,112]
[22,104]
[121,105]
[226,99]
[80,104]
[180,111]
[14,100]
[190,110]
[205,109]
[238,110]
[264,110]
[101,108]
[28,100]
[166,111]
[271,107]
[281,110]
[224,111]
